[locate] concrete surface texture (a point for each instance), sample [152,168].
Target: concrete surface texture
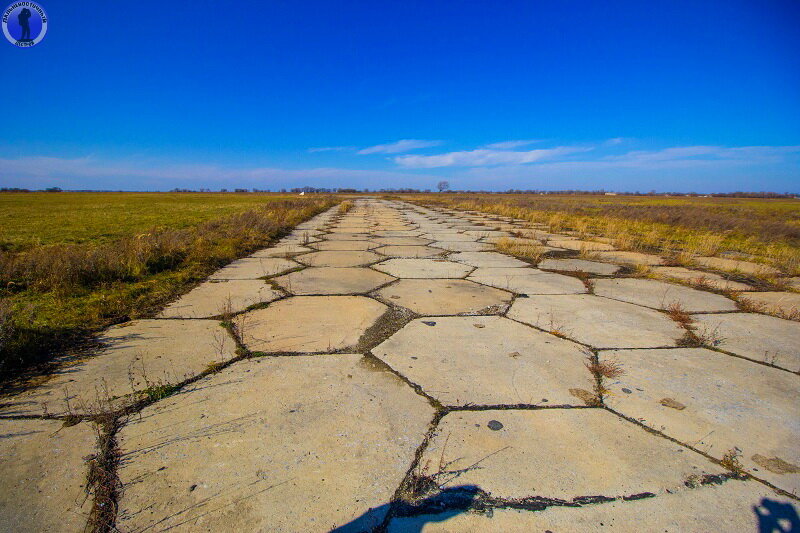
[386,368]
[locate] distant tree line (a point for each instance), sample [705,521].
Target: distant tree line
[443,187]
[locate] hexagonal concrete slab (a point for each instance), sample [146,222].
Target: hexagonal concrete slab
[409,251]
[281,250]
[486,360]
[332,280]
[468,246]
[629,258]
[402,241]
[344,245]
[311,323]
[560,453]
[449,237]
[444,296]
[528,281]
[44,475]
[762,338]
[339,236]
[717,403]
[699,277]
[661,295]
[583,246]
[777,302]
[598,322]
[254,268]
[579,265]
[214,298]
[488,259]
[423,268]
[304,443]
[338,259]
[735,265]
[731,507]
[134,356]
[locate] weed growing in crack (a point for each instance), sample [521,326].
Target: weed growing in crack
[601,371]
[694,337]
[103,483]
[730,461]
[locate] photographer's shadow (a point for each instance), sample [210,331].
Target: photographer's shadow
[437,508]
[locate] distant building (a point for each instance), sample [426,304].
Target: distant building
[611,194]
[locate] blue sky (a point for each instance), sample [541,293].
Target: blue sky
[666,95]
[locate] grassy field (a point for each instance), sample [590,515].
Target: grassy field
[761,230]
[72,263]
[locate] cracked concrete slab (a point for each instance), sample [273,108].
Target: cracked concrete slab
[661,295]
[783,303]
[409,251]
[134,357]
[577,245]
[214,298]
[332,280]
[444,296]
[467,246]
[559,453]
[254,268]
[735,265]
[339,246]
[402,241]
[338,259]
[44,475]
[699,277]
[629,258]
[579,265]
[486,360]
[598,322]
[758,337]
[306,443]
[732,507]
[715,403]
[528,281]
[450,237]
[281,250]
[328,323]
[488,260]
[423,268]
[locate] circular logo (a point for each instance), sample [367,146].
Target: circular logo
[24,24]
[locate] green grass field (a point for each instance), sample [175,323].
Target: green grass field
[32,219]
[73,263]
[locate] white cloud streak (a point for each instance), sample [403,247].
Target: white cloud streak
[510,145]
[485,157]
[330,149]
[398,147]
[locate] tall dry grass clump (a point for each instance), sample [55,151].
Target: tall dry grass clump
[50,295]
[531,251]
[345,206]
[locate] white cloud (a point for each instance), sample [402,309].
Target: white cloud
[510,145]
[398,147]
[330,149]
[484,157]
[149,174]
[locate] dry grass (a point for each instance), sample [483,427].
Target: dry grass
[345,206]
[54,295]
[765,231]
[601,371]
[531,252]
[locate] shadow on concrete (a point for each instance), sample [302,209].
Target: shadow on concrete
[776,517]
[438,508]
